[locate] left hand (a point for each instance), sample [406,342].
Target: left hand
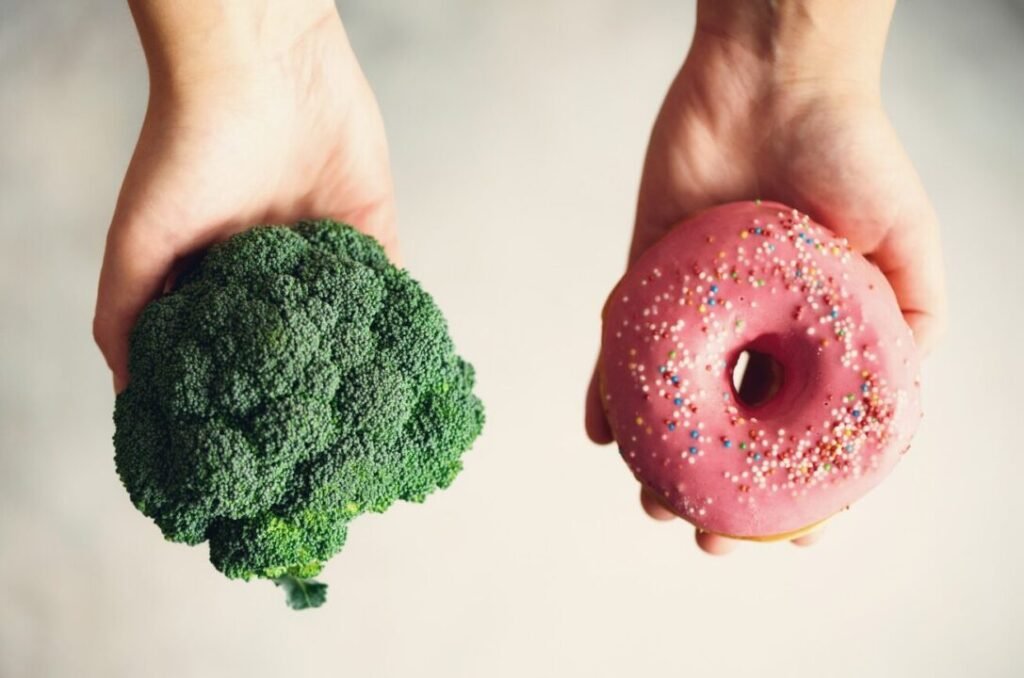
[275,132]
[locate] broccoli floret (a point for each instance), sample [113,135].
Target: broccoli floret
[291,381]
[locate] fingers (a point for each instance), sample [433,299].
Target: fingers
[714,544]
[717,545]
[135,267]
[652,505]
[710,543]
[809,539]
[594,419]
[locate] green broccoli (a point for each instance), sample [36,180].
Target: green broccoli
[292,380]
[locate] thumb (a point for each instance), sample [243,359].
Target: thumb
[910,257]
[901,237]
[595,422]
[135,267]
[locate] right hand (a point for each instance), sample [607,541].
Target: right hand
[737,125]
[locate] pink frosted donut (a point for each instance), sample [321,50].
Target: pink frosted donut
[831,397]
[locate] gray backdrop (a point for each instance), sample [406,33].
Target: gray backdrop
[518,130]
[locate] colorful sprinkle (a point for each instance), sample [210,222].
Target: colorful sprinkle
[790,263]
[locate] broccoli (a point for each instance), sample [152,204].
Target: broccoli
[292,380]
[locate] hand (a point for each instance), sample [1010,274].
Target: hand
[280,127]
[746,118]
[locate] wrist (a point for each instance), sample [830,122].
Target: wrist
[821,44]
[194,44]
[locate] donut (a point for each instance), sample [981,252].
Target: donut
[756,372]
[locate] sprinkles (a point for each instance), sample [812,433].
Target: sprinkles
[693,316]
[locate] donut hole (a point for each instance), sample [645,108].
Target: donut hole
[756,377]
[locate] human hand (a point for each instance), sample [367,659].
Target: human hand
[257,114]
[766,106]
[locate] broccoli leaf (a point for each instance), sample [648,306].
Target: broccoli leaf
[302,593]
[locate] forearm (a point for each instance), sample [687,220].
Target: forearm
[186,40]
[802,39]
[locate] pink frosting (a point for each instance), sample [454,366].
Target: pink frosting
[757,276]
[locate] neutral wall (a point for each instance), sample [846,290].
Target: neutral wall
[517,131]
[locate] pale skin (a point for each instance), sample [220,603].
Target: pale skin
[259,113]
[781,101]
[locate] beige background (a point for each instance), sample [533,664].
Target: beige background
[517,130]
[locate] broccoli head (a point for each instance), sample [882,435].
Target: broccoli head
[291,380]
